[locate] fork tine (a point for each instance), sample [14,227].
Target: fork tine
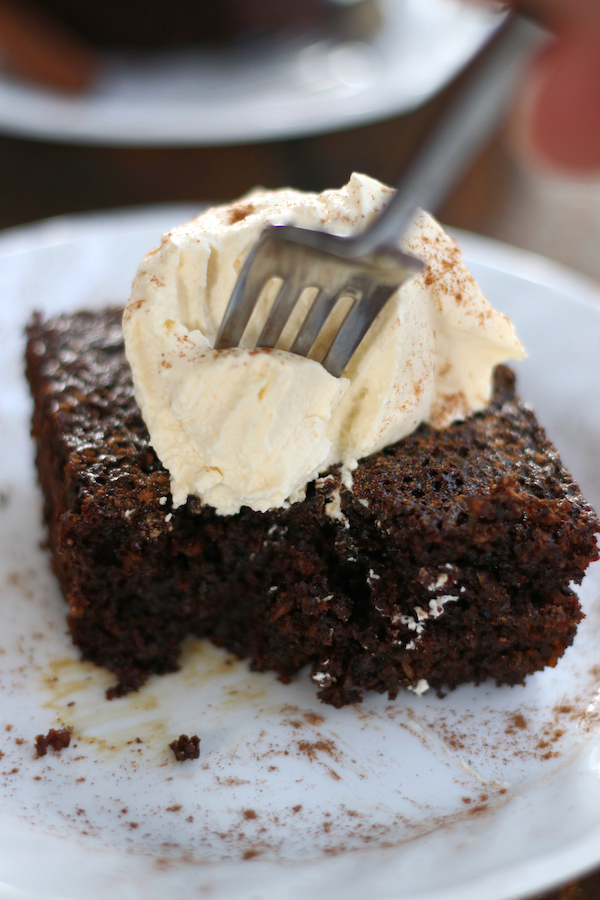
[354,327]
[281,310]
[316,317]
[246,293]
[242,303]
[314,321]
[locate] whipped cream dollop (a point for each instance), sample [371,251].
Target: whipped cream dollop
[252,427]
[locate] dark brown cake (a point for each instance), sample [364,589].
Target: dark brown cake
[150,24]
[450,561]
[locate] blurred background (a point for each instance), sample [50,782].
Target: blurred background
[118,104]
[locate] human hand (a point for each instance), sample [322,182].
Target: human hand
[558,115]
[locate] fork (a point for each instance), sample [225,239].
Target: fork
[368,267]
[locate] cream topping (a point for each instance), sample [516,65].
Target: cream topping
[249,427]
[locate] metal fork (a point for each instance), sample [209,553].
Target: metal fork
[369,267]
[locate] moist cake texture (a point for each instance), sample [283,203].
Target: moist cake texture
[449,560]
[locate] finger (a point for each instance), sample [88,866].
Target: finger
[563,15]
[558,119]
[32,46]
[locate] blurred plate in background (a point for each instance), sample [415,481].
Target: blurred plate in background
[263,89]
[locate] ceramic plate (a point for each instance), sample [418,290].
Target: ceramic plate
[260,90]
[486,794]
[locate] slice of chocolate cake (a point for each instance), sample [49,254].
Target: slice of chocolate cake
[449,560]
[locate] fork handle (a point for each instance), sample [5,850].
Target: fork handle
[465,126]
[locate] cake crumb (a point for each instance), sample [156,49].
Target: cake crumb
[58,740]
[185,747]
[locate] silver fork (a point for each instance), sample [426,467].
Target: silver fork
[368,267]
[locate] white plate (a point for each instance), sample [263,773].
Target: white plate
[260,91]
[422,798]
